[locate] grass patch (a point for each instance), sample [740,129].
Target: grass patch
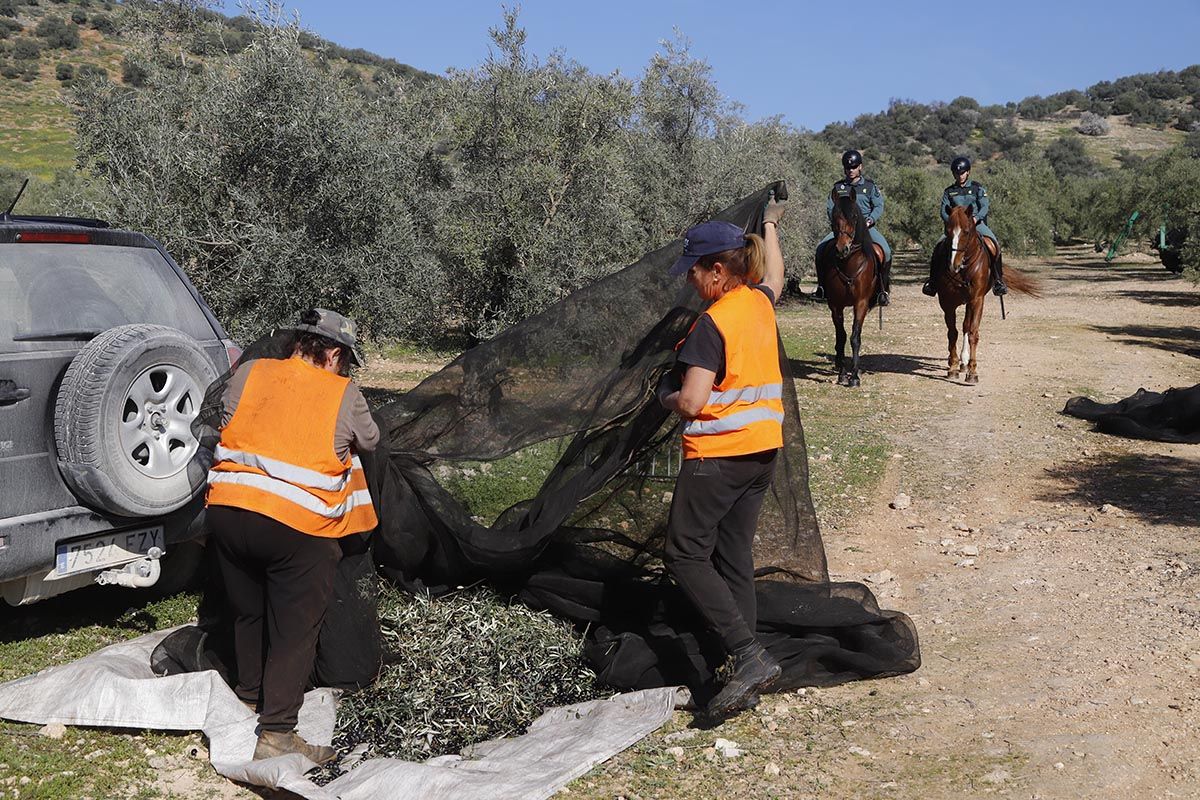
[65,628]
[843,428]
[487,489]
[86,762]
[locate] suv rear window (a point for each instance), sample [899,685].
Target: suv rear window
[67,291]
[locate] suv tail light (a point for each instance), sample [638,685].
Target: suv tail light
[232,351]
[54,237]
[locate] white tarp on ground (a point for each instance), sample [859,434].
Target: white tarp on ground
[114,687]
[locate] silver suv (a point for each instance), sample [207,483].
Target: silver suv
[106,351]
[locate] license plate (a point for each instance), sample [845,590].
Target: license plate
[107,550]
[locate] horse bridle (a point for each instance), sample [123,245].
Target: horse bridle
[850,279]
[960,276]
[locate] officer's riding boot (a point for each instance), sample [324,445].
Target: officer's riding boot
[998,287]
[885,285]
[928,288]
[819,292]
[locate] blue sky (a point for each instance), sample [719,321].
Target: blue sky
[812,63]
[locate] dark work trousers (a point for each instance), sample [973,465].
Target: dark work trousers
[710,534]
[278,582]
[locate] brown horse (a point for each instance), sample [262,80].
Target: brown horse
[849,267]
[964,280]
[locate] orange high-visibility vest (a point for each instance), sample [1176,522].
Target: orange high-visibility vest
[744,412]
[276,454]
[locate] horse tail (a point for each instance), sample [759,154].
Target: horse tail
[1021,282]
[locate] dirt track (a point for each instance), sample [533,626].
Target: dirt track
[1063,658]
[1058,640]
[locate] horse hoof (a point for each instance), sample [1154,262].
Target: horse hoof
[842,380]
[853,381]
[972,379]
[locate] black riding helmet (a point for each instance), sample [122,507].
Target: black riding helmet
[851,159]
[960,165]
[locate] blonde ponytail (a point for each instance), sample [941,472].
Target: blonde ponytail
[756,259]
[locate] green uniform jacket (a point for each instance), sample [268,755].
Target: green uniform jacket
[870,200]
[973,194]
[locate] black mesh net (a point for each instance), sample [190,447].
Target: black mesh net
[572,387]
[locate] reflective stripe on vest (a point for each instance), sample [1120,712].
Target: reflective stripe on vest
[743,413]
[276,454]
[300,476]
[293,493]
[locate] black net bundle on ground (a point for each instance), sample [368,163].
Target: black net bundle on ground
[1170,416]
[586,544]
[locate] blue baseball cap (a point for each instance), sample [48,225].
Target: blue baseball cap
[705,239]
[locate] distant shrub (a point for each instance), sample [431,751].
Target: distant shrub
[29,73]
[8,8]
[242,23]
[79,16]
[1188,121]
[1068,158]
[350,75]
[10,26]
[87,71]
[1152,113]
[1035,107]
[104,23]
[133,73]
[1192,144]
[64,71]
[25,49]
[58,33]
[1092,124]
[10,71]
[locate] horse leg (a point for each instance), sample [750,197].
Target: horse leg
[954,366]
[860,316]
[973,316]
[839,327]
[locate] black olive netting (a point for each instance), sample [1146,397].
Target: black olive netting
[576,382]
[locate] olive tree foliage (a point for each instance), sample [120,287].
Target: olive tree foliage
[429,210]
[912,202]
[534,181]
[1025,201]
[1163,189]
[272,184]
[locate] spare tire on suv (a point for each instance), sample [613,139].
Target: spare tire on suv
[123,420]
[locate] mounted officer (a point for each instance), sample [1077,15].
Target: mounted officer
[966,192]
[870,202]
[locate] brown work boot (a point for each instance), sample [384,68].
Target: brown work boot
[278,743]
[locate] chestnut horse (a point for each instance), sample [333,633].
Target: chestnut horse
[964,279]
[850,269]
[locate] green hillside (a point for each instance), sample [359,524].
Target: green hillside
[45,45]
[1138,114]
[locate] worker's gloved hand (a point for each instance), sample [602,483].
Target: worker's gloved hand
[774,210]
[668,384]
[870,222]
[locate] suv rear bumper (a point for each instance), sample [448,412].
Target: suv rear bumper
[27,542]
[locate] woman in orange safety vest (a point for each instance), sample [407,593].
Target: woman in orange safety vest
[731,400]
[285,487]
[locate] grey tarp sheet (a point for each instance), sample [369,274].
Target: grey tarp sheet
[114,687]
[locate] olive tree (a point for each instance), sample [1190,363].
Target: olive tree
[271,182]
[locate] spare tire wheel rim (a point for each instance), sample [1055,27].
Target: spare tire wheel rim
[156,420]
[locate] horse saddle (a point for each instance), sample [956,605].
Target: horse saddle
[992,248]
[878,253]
